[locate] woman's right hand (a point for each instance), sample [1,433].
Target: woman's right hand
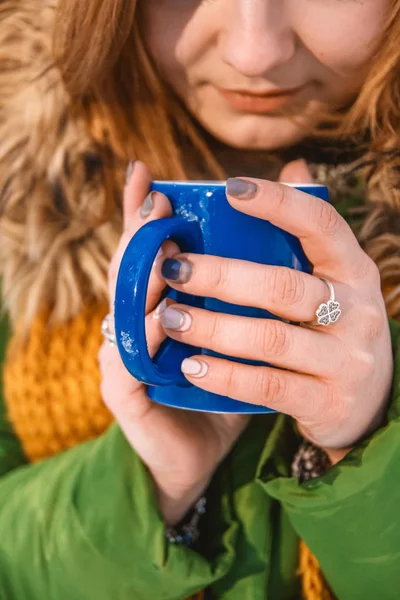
[180,448]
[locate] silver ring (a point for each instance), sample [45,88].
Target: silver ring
[105,330]
[327,312]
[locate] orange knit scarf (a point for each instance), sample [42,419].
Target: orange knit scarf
[52,392]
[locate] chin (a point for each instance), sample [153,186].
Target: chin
[253,132]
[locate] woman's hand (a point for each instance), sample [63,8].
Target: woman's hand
[181,449]
[334,380]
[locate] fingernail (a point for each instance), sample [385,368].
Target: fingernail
[160,309]
[129,172]
[241,189]
[176,319]
[147,206]
[193,367]
[157,257]
[176,270]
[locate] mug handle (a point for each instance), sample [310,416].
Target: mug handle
[130,301]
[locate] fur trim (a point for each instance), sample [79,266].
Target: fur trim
[53,181]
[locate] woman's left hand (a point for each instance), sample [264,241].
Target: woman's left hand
[335,381]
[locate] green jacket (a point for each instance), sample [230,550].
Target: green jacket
[85,525]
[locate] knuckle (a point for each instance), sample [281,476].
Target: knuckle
[219,274]
[374,322]
[365,367]
[272,387]
[214,332]
[287,287]
[280,197]
[369,270]
[230,381]
[274,339]
[366,271]
[328,219]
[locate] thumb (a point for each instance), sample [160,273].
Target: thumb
[296,171]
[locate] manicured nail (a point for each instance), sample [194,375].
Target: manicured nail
[147,206]
[241,189]
[176,270]
[129,172]
[157,313]
[194,368]
[158,256]
[176,319]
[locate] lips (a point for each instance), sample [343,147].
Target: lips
[249,101]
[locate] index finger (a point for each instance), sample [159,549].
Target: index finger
[326,238]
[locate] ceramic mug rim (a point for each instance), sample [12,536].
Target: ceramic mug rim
[223,183]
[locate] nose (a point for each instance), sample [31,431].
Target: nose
[257,36]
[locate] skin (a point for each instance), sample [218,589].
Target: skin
[262,45]
[258,44]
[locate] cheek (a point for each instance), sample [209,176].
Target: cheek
[163,26]
[341,35]
[175,35]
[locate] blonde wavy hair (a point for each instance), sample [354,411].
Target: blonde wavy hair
[61,182]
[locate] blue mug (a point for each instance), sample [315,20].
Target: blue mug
[203,222]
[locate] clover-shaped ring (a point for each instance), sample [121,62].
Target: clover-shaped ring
[328,312]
